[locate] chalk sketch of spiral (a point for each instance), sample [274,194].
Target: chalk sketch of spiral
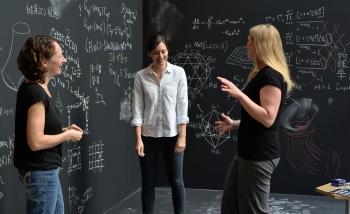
[59,7]
[165,17]
[302,153]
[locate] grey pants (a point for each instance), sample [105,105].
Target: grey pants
[247,186]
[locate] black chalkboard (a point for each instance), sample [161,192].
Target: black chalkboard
[102,42]
[208,39]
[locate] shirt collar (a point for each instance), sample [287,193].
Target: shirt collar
[168,69]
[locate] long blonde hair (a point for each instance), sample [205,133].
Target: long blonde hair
[269,51]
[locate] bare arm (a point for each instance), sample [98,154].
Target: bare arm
[36,138]
[270,98]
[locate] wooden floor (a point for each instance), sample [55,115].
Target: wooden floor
[208,202]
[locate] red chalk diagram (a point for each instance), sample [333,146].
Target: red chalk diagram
[302,153]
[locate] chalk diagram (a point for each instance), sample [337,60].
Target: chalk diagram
[74,159]
[302,153]
[208,132]
[200,67]
[126,105]
[333,52]
[84,103]
[95,156]
[239,57]
[58,103]
[74,199]
[10,74]
[99,97]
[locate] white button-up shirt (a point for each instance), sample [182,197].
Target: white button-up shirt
[160,106]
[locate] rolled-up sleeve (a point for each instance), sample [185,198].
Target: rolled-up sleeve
[182,99]
[138,102]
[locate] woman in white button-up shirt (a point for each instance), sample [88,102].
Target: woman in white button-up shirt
[159,118]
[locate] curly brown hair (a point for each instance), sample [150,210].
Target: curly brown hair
[31,56]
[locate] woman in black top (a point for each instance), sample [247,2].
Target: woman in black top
[247,183]
[38,127]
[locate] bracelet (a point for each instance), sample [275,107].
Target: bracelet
[233,124]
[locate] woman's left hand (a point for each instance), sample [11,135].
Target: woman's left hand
[75,127]
[180,145]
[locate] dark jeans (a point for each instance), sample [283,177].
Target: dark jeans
[174,167]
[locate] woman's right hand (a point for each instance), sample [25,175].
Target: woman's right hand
[139,148]
[221,127]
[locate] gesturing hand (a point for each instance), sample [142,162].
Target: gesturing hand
[221,127]
[229,87]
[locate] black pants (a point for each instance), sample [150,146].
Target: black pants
[174,167]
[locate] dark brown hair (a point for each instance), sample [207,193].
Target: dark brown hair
[155,40]
[31,56]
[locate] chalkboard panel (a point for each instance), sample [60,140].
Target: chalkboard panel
[102,42]
[208,39]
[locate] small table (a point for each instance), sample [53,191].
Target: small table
[328,187]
